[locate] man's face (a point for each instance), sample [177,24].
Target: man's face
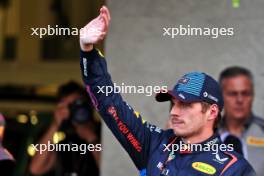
[238,97]
[187,119]
[69,99]
[62,111]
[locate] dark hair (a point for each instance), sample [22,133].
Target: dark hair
[70,88]
[233,72]
[205,107]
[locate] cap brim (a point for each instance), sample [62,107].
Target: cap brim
[164,96]
[182,96]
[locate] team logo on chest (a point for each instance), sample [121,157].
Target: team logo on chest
[164,171]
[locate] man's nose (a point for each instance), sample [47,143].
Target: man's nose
[175,110]
[240,98]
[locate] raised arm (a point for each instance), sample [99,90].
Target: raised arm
[136,136]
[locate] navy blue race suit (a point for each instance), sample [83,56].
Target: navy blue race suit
[151,148]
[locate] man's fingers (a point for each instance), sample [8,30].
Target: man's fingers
[103,19]
[107,12]
[106,22]
[102,36]
[96,29]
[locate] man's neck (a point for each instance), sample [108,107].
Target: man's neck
[199,138]
[235,126]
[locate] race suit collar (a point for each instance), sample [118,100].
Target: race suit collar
[206,145]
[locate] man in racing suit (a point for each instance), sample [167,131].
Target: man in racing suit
[197,103]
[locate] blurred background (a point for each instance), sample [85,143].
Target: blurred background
[32,68]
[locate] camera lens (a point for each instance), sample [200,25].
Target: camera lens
[80,111]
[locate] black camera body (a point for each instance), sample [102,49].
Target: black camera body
[80,111]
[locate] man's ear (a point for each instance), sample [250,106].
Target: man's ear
[213,112]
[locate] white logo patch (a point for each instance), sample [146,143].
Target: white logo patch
[182,96]
[85,67]
[219,160]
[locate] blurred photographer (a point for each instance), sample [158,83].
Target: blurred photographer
[73,116]
[7,161]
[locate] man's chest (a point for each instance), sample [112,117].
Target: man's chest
[171,164]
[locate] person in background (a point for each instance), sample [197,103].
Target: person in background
[7,161]
[240,126]
[80,128]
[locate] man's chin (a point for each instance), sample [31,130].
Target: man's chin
[180,133]
[240,116]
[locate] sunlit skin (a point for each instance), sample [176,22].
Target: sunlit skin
[188,121]
[238,96]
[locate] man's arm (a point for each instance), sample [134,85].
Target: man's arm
[240,168]
[136,136]
[44,162]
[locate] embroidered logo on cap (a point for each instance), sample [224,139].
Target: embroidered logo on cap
[182,96]
[184,80]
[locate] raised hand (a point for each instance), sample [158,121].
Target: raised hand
[95,30]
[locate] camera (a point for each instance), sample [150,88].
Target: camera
[80,111]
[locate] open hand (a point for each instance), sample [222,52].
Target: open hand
[95,30]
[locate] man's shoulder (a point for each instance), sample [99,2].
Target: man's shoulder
[244,166]
[237,164]
[168,136]
[259,121]
[232,156]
